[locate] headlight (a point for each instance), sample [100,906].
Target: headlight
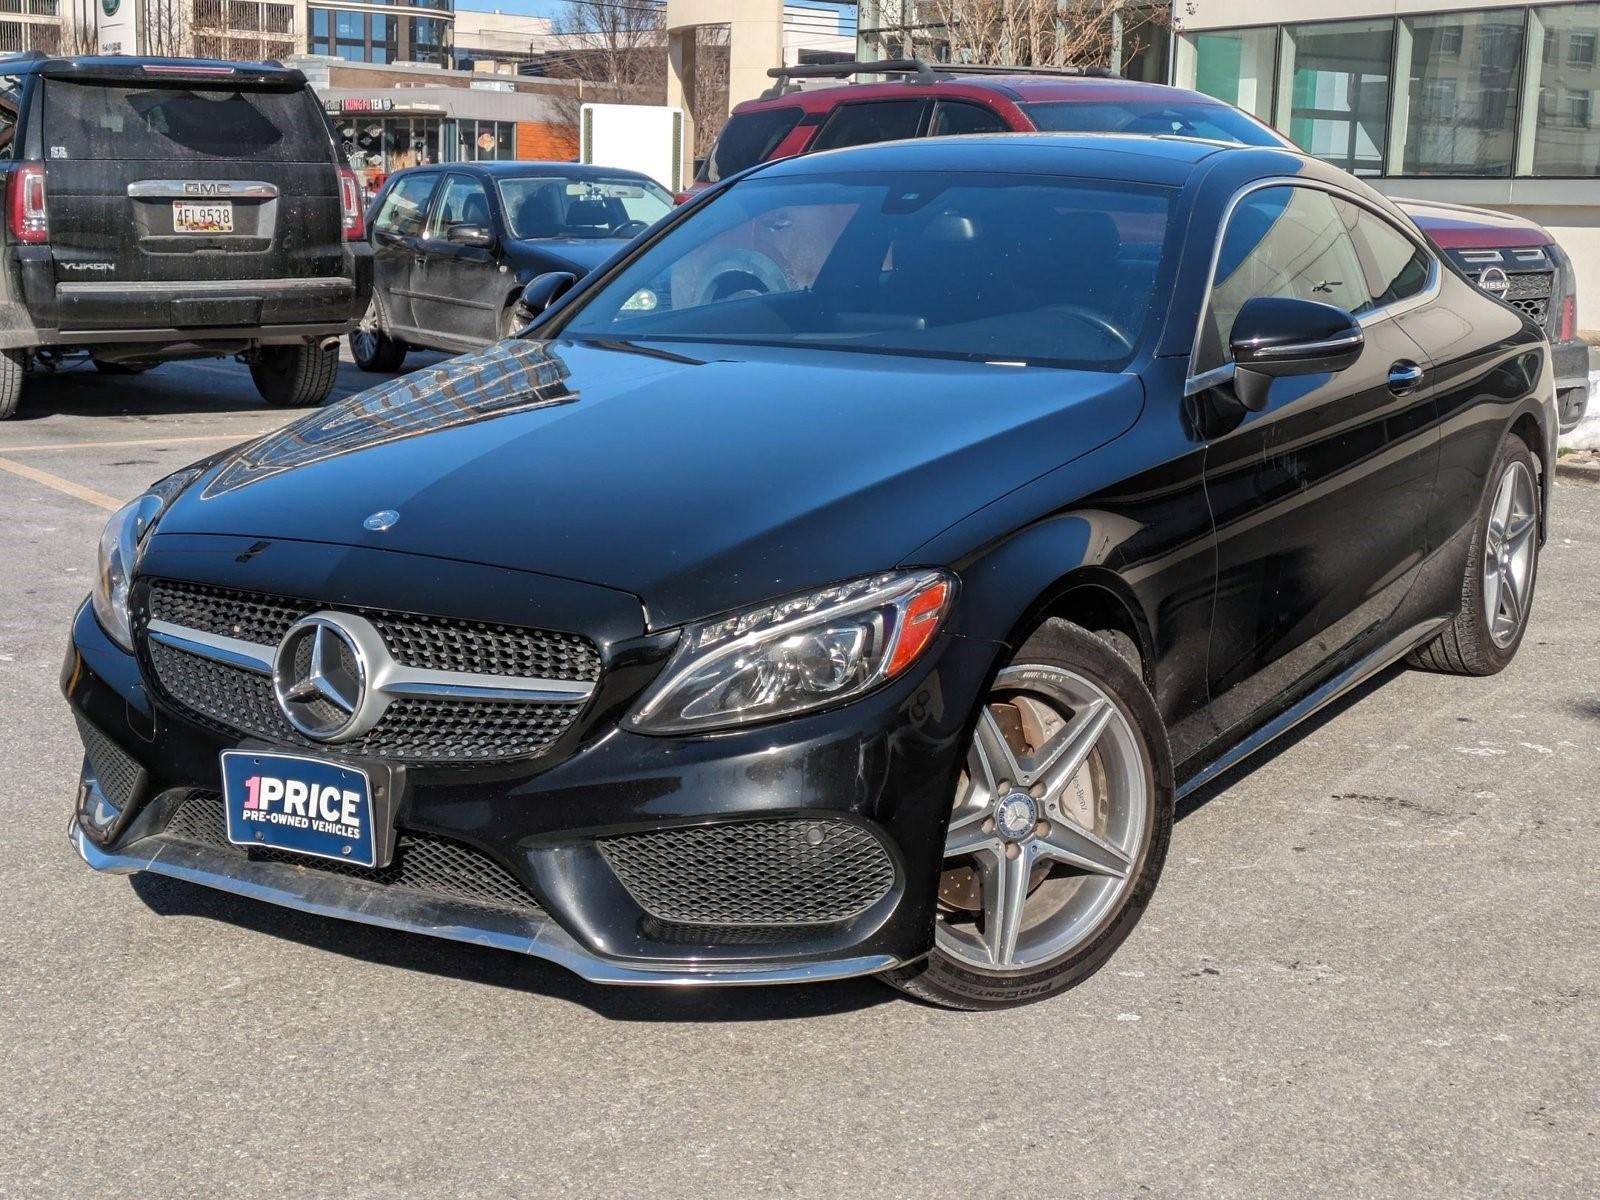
[119,550]
[795,655]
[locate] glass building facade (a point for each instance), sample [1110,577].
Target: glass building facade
[1488,92]
[383,33]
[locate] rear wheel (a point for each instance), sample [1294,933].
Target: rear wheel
[1058,831]
[1502,567]
[372,348]
[13,368]
[295,376]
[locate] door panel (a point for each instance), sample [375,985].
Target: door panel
[456,290]
[1321,499]
[397,240]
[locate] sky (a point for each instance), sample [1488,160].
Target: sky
[548,8]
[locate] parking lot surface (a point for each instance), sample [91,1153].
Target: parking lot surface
[1371,969]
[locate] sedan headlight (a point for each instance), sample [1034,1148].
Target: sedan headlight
[124,534]
[796,655]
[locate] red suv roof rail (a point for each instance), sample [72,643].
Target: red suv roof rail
[921,71]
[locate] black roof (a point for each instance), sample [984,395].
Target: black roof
[510,168]
[148,67]
[1161,159]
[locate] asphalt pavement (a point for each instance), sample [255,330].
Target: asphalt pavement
[1371,969]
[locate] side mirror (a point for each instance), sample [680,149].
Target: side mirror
[469,235]
[1274,336]
[541,292]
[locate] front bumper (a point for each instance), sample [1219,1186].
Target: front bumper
[885,765]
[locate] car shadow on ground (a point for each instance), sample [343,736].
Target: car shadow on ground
[1202,796]
[81,390]
[503,969]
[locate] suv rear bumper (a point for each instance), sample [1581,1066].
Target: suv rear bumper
[47,313]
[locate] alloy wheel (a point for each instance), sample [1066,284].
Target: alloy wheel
[1048,823]
[364,341]
[1508,555]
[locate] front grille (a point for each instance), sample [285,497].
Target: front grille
[1535,308]
[234,700]
[428,865]
[118,775]
[428,643]
[753,873]
[416,730]
[1530,278]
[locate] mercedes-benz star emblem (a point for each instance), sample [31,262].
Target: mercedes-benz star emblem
[381,520]
[1494,281]
[320,679]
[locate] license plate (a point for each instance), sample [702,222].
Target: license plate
[303,805]
[215,216]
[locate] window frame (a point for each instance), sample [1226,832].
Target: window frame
[396,182]
[1198,382]
[925,108]
[436,207]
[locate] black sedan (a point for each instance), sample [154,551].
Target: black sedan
[453,246]
[849,578]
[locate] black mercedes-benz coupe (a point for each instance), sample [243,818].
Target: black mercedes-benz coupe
[849,578]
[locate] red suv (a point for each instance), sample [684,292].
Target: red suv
[1509,257]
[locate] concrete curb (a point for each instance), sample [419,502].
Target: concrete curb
[1586,470]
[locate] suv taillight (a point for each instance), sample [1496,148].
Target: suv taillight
[25,207]
[355,220]
[1568,328]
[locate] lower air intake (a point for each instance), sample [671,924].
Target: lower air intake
[753,873]
[428,865]
[118,775]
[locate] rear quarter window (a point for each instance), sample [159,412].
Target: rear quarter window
[749,138]
[92,121]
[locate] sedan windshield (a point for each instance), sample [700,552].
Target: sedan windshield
[1014,268]
[552,207]
[1215,122]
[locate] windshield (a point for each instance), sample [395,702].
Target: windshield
[553,207]
[1187,118]
[1014,268]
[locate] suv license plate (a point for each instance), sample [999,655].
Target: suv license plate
[303,805]
[213,217]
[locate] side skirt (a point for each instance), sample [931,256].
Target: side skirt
[1357,672]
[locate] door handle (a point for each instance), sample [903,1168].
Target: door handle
[1404,377]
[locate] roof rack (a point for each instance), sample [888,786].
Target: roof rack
[920,71]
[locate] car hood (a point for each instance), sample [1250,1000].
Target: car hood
[578,255]
[699,479]
[1459,227]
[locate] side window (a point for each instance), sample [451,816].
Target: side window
[1395,268]
[748,138]
[1280,241]
[961,116]
[406,206]
[463,202]
[871,121]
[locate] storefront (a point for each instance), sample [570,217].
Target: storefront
[381,133]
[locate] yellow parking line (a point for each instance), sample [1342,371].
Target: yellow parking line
[64,486]
[206,437]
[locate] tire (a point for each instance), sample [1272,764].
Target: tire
[372,348]
[111,368]
[13,369]
[295,376]
[1127,766]
[1477,641]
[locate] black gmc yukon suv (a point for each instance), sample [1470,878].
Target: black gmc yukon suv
[163,208]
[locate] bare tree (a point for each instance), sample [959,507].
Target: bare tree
[709,106]
[166,27]
[1039,33]
[612,50]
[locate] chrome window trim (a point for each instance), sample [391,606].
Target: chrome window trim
[1193,382]
[389,678]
